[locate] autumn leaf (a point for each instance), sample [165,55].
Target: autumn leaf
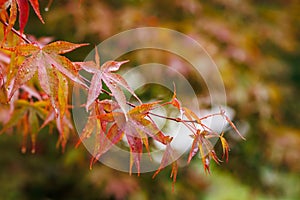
[87,130]
[23,7]
[52,70]
[205,148]
[137,128]
[103,142]
[225,146]
[136,149]
[12,19]
[231,124]
[113,81]
[168,158]
[63,125]
[194,147]
[191,115]
[206,163]
[142,110]
[175,102]
[35,6]
[27,115]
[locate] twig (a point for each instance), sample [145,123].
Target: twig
[16,32]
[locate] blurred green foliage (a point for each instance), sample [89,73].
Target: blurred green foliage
[255,44]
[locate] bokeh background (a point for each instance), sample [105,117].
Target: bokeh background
[256,46]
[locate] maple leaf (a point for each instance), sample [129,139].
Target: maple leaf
[63,125]
[112,80]
[93,124]
[103,142]
[201,138]
[27,115]
[35,6]
[205,148]
[12,18]
[88,128]
[52,70]
[168,157]
[100,107]
[137,128]
[23,7]
[225,146]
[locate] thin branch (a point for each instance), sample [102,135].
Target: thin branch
[211,115]
[16,32]
[164,117]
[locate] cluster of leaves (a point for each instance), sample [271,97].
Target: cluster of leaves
[35,80]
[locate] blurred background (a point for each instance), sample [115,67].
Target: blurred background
[256,46]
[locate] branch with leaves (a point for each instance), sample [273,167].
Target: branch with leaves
[35,80]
